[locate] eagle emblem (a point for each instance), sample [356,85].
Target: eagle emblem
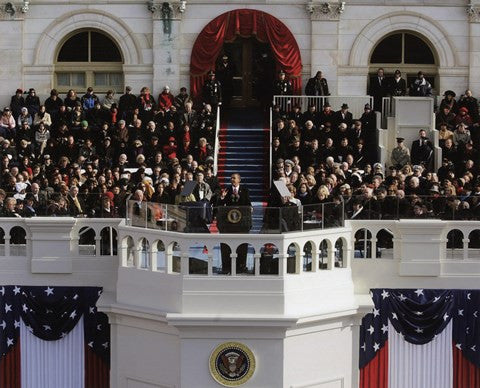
[232,364]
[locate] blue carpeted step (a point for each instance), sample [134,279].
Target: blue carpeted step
[244,149]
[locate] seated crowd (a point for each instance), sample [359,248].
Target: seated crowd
[329,156]
[84,155]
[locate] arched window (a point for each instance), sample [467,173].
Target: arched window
[407,52]
[89,58]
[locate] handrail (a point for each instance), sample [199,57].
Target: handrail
[270,178]
[217,143]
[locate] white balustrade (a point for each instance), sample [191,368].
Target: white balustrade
[356,104]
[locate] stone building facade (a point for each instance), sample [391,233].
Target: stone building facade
[155,39]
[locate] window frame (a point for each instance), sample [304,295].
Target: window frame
[407,69]
[88,68]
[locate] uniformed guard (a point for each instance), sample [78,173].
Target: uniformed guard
[282,86]
[400,154]
[212,91]
[225,72]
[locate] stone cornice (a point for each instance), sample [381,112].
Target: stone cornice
[325,10]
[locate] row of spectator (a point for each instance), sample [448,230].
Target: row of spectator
[73,155]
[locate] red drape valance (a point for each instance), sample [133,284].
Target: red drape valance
[244,23]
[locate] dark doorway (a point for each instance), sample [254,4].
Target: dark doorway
[254,71]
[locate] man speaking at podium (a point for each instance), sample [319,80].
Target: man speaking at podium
[234,216]
[234,195]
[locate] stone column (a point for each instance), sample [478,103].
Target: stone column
[167,39]
[473,15]
[325,19]
[11,30]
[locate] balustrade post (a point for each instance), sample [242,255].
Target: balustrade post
[373,253]
[233,264]
[169,260]
[298,261]
[331,258]
[7,246]
[184,264]
[314,260]
[465,248]
[98,239]
[256,258]
[136,257]
[348,256]
[282,264]
[153,257]
[210,264]
[110,233]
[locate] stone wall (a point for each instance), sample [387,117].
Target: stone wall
[157,51]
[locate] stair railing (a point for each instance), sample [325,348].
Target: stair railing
[270,178]
[216,148]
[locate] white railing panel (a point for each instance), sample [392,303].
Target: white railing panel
[356,104]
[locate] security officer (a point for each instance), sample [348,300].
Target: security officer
[400,154]
[282,86]
[225,73]
[212,91]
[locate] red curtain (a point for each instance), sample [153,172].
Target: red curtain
[465,373]
[97,372]
[375,373]
[244,23]
[10,367]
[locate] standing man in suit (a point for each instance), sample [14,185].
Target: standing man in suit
[225,72]
[422,150]
[378,89]
[317,86]
[235,195]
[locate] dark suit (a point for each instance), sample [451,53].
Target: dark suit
[346,118]
[73,210]
[398,88]
[317,87]
[378,90]
[40,203]
[242,198]
[422,152]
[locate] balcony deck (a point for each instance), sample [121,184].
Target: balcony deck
[316,272]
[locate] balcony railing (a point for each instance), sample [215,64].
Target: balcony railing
[201,217]
[356,104]
[233,254]
[392,207]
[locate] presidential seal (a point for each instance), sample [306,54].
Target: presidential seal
[232,364]
[234,216]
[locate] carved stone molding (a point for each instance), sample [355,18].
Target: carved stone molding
[473,12]
[8,11]
[326,10]
[174,11]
